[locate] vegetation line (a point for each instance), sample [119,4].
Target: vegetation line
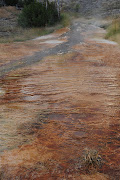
[34,20]
[113,31]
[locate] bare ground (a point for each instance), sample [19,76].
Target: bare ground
[63,104]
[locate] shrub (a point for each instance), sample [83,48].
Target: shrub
[27,2]
[77,7]
[37,15]
[52,14]
[21,2]
[11,2]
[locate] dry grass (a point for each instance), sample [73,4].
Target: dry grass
[20,34]
[65,19]
[115,38]
[5,12]
[92,161]
[113,31]
[16,33]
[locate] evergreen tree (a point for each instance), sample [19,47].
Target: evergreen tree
[38,14]
[11,2]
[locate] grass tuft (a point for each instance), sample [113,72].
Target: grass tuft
[65,19]
[113,29]
[91,160]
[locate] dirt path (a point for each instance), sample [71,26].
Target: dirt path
[59,103]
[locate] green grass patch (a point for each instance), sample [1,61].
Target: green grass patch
[65,19]
[68,17]
[113,29]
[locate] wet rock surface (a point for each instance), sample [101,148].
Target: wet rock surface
[54,109]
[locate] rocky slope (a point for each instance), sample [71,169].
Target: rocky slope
[95,7]
[8,20]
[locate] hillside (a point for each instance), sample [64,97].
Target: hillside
[8,20]
[97,8]
[94,7]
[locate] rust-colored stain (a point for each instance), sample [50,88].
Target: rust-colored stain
[62,30]
[55,109]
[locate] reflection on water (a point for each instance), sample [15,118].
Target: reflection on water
[82,98]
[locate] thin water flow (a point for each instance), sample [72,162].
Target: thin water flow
[50,112]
